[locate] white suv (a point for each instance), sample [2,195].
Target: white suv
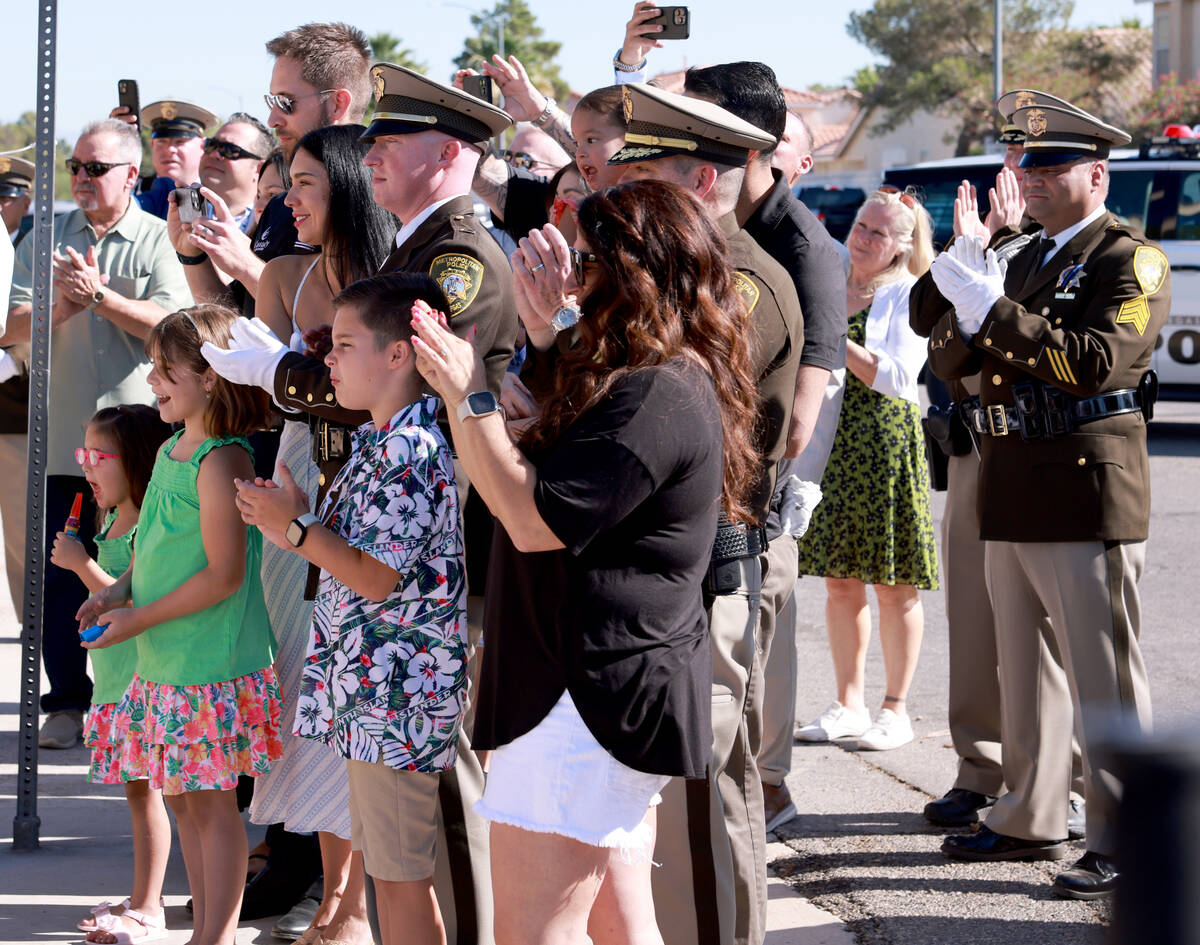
[1157,189]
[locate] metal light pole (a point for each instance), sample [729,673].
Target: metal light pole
[998,52]
[26,823]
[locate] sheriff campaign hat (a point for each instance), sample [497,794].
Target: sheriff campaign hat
[660,124]
[172,118]
[1056,135]
[407,102]
[16,176]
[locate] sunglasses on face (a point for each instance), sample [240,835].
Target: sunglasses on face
[287,103]
[228,150]
[86,457]
[94,168]
[523,159]
[579,263]
[905,198]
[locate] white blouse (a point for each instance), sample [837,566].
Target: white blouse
[900,351]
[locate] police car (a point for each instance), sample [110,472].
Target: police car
[1156,188]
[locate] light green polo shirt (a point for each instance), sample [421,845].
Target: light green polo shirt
[93,363]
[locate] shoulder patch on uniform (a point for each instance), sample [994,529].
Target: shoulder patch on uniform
[1151,267]
[1136,311]
[459,276]
[747,290]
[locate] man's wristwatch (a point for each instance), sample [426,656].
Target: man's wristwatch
[98,296]
[544,117]
[298,528]
[566,317]
[625,67]
[480,404]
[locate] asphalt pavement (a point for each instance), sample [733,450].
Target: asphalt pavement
[858,864]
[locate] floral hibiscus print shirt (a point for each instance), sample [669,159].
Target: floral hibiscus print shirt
[387,681]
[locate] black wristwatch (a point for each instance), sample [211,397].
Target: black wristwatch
[298,528]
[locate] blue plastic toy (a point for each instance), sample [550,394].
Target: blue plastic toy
[93,633]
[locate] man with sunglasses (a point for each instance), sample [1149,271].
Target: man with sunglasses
[230,164]
[1063,339]
[319,79]
[115,277]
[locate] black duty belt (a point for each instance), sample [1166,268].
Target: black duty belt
[1043,412]
[737,541]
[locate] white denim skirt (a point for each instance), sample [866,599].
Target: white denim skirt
[557,778]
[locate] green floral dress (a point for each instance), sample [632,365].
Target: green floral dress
[873,522]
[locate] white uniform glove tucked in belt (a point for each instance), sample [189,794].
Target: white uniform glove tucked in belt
[971,279]
[252,357]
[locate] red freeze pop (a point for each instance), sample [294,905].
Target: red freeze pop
[72,526]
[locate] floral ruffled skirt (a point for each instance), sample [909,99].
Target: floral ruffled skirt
[100,735]
[197,738]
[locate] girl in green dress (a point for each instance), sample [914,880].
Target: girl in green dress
[873,525]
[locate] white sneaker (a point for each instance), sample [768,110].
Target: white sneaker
[835,722]
[888,731]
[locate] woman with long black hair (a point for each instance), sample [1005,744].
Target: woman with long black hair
[331,202]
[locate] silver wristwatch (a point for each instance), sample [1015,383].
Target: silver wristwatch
[566,317]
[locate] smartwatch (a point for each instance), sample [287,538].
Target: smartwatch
[478,405]
[298,528]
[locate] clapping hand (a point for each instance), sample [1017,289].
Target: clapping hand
[966,213]
[449,363]
[542,281]
[270,505]
[971,279]
[1008,206]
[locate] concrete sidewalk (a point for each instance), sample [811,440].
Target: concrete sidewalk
[86,850]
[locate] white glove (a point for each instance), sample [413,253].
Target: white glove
[971,292]
[970,251]
[8,367]
[252,357]
[799,499]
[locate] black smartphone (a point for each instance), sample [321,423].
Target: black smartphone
[127,95]
[481,86]
[676,23]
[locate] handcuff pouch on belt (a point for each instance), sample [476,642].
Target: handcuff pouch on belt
[946,427]
[331,442]
[733,545]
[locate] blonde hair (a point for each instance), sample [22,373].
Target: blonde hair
[913,228]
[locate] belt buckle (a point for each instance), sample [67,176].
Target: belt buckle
[997,420]
[322,441]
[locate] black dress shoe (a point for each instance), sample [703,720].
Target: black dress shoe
[1092,877]
[273,892]
[298,919]
[1076,820]
[985,844]
[958,808]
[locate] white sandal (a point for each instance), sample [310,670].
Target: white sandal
[155,928]
[99,914]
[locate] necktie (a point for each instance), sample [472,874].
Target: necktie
[1045,246]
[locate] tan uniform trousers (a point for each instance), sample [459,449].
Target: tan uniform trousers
[1087,591]
[711,888]
[773,705]
[14,471]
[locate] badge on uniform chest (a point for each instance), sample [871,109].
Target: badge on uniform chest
[1068,280]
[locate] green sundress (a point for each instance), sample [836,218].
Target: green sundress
[873,522]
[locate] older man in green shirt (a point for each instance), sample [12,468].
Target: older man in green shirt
[115,277]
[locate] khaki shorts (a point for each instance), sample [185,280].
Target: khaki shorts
[393,820]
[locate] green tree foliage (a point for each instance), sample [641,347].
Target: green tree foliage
[522,38]
[1173,101]
[22,132]
[937,57]
[388,48]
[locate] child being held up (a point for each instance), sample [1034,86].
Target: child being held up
[385,676]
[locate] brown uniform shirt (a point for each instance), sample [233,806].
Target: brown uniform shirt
[1085,323]
[776,340]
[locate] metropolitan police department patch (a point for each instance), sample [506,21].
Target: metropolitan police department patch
[460,277]
[747,290]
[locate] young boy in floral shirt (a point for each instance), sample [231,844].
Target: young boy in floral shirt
[385,675]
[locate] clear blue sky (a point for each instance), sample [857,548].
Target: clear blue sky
[212,53]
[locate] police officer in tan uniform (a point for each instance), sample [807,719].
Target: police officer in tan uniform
[711,835]
[974,685]
[440,236]
[1062,341]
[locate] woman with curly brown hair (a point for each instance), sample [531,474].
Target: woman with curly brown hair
[602,692]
